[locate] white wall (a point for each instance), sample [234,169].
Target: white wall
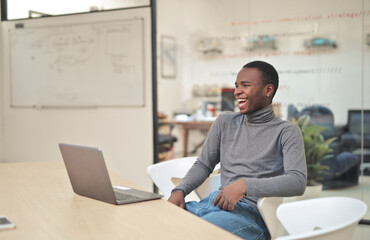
[170,90]
[307,76]
[124,134]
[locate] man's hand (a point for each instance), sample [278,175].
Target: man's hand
[178,199]
[230,195]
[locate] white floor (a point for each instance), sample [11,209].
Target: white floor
[362,232]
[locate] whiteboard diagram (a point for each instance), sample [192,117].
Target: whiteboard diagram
[95,64]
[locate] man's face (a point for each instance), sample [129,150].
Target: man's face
[249,91]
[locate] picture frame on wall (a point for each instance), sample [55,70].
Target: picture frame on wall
[168,57]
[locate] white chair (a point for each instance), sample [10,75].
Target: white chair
[267,206]
[163,172]
[166,175]
[211,184]
[330,218]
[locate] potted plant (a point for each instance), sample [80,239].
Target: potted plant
[316,149]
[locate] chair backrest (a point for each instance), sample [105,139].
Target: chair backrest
[267,207]
[292,112]
[166,175]
[211,184]
[320,115]
[354,121]
[162,173]
[321,218]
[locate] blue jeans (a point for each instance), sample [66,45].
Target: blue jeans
[243,221]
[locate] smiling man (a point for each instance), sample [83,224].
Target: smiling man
[260,154]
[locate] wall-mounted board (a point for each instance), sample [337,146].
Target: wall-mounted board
[78,65]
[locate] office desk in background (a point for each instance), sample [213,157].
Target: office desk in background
[38,198]
[186,127]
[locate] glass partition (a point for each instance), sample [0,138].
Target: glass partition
[321,50]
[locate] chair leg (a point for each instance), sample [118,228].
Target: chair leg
[172,156]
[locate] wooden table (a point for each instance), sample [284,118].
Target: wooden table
[38,198]
[187,126]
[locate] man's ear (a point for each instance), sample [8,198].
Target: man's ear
[269,89]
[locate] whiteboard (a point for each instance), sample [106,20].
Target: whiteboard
[89,65]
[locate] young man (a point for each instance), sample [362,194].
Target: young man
[260,154]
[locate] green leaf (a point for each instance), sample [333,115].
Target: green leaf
[316,147]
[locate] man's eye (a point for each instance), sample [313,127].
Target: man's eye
[243,85]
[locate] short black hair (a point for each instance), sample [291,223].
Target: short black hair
[269,73]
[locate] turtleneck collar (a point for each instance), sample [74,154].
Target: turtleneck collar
[261,116]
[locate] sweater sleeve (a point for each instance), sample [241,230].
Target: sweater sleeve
[206,162]
[293,181]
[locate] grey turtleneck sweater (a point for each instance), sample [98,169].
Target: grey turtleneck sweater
[267,152]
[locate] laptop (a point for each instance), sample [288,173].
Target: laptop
[89,177]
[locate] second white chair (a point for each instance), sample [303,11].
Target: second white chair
[329,218]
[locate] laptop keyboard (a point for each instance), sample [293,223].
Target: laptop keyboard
[125,197]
